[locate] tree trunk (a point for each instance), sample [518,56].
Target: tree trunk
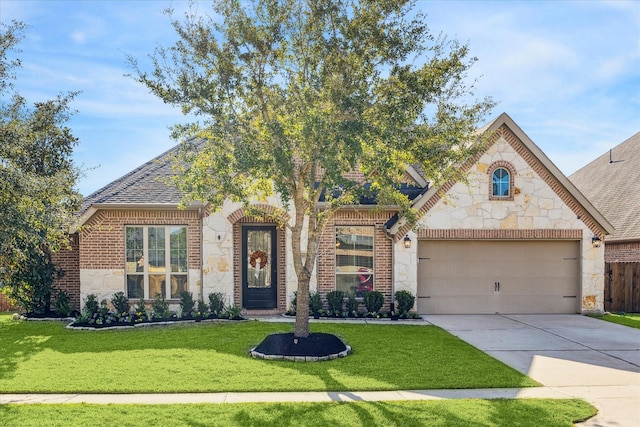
[301,329]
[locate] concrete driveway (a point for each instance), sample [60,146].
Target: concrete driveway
[581,356]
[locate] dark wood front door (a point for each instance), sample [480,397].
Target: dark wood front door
[259,267]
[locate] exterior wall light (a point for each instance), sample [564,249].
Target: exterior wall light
[596,242]
[407,242]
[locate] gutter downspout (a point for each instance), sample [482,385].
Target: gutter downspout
[201,255]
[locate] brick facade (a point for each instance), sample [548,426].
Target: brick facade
[102,237]
[383,259]
[622,251]
[68,259]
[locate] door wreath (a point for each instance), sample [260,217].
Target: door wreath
[258,260]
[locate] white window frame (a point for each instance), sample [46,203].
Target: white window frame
[145,247]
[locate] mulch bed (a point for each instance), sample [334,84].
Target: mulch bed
[316,345]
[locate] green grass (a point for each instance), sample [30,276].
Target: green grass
[527,412]
[632,320]
[44,357]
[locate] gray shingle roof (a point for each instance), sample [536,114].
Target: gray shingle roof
[140,186]
[614,187]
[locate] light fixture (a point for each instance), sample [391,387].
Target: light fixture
[596,242]
[407,242]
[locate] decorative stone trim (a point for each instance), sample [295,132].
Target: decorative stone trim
[499,234]
[258,355]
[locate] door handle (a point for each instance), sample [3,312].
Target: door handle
[496,286]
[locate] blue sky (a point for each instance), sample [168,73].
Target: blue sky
[568,72]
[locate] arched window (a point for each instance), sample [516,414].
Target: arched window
[501,183]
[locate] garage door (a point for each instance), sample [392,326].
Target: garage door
[472,277]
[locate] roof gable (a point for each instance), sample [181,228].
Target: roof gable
[612,183]
[505,127]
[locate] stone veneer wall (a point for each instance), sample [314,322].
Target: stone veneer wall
[102,251]
[68,259]
[536,211]
[622,251]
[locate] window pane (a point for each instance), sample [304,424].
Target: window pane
[354,283]
[157,251]
[178,284]
[178,248]
[157,284]
[500,183]
[134,249]
[259,258]
[135,286]
[354,249]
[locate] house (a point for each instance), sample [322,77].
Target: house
[612,183]
[516,238]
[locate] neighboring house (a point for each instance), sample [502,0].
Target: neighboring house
[516,238]
[612,183]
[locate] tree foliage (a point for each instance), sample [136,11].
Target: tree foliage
[37,179]
[292,95]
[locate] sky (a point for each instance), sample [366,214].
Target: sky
[567,72]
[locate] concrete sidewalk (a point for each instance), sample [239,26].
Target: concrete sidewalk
[337,396]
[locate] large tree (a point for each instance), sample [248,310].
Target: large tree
[37,179]
[290,95]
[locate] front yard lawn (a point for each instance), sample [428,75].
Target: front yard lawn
[45,357]
[631,319]
[528,412]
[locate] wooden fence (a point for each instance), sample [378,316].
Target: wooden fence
[622,287]
[4,304]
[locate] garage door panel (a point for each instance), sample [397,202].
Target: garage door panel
[533,276]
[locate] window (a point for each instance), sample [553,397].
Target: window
[156,256]
[354,259]
[501,184]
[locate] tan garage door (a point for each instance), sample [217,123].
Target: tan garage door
[465,277]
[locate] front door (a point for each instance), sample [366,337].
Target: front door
[259,267]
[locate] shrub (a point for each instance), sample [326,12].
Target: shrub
[140,306]
[315,303]
[405,301]
[91,305]
[234,312]
[352,304]
[373,300]
[216,303]
[120,303]
[160,307]
[335,300]
[187,303]
[294,301]
[202,307]
[63,306]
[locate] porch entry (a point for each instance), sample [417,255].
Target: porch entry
[259,267]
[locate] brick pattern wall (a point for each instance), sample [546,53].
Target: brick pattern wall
[499,234]
[69,261]
[622,252]
[382,253]
[102,237]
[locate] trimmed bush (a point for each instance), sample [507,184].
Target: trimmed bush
[335,300]
[91,305]
[216,303]
[160,307]
[352,304]
[120,303]
[405,301]
[187,303]
[315,303]
[373,300]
